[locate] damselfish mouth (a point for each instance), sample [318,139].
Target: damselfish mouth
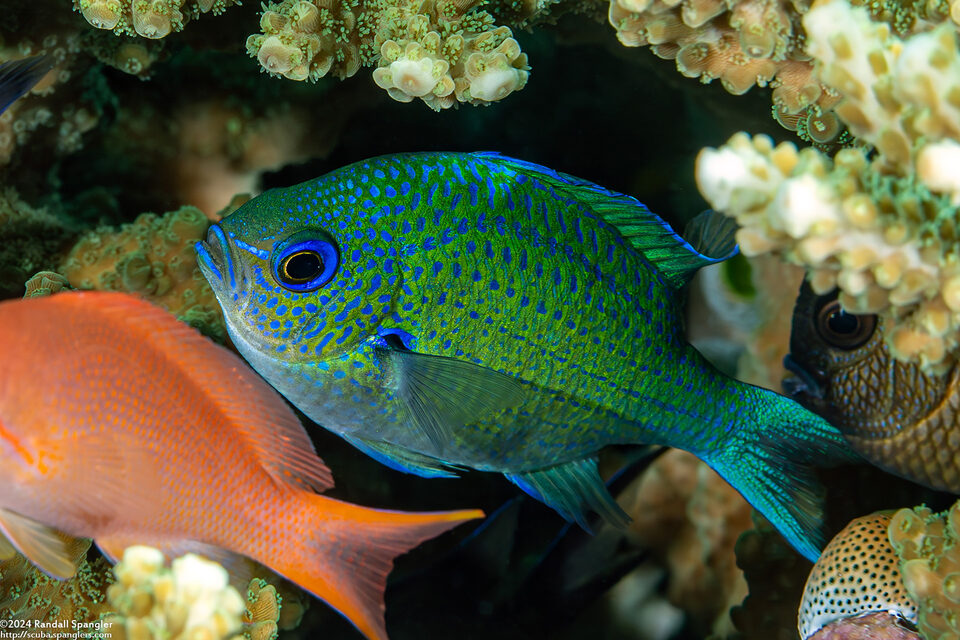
[213,256]
[803,382]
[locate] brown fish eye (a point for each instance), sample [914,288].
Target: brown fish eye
[300,267]
[844,330]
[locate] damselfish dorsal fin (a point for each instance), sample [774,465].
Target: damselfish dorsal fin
[672,256]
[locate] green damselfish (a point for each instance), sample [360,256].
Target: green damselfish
[444,311]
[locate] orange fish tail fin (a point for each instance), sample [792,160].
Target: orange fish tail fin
[349,551]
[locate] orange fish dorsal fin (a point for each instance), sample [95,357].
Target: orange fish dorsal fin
[53,553]
[257,412]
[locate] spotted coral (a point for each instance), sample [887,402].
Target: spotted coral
[443,52]
[152,256]
[881,228]
[857,574]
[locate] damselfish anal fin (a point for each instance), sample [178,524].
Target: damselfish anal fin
[439,394]
[571,489]
[51,551]
[402,459]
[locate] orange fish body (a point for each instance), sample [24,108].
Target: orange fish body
[121,424]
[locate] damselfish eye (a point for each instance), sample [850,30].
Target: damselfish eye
[305,265]
[844,330]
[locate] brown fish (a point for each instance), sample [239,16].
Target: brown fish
[894,414]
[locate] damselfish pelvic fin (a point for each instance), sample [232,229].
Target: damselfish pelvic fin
[52,552]
[675,258]
[345,552]
[440,394]
[18,76]
[401,459]
[771,463]
[572,489]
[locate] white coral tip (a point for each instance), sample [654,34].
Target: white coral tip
[938,167]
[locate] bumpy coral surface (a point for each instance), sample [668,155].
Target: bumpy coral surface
[881,228]
[856,574]
[440,51]
[152,256]
[928,545]
[191,599]
[26,593]
[32,239]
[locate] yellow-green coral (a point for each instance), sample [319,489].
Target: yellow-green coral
[26,593]
[148,18]
[32,239]
[440,51]
[883,227]
[152,256]
[928,546]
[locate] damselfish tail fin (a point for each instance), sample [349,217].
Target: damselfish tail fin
[345,551]
[770,460]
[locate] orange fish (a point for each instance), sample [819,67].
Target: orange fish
[121,424]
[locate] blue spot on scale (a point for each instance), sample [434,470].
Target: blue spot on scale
[494,285]
[541,308]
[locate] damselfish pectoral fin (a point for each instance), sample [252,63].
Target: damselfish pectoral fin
[51,551]
[572,489]
[440,394]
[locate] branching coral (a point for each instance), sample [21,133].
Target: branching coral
[153,256]
[192,599]
[744,43]
[758,42]
[684,511]
[441,51]
[147,18]
[882,229]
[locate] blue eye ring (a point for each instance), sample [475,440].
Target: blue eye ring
[305,265]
